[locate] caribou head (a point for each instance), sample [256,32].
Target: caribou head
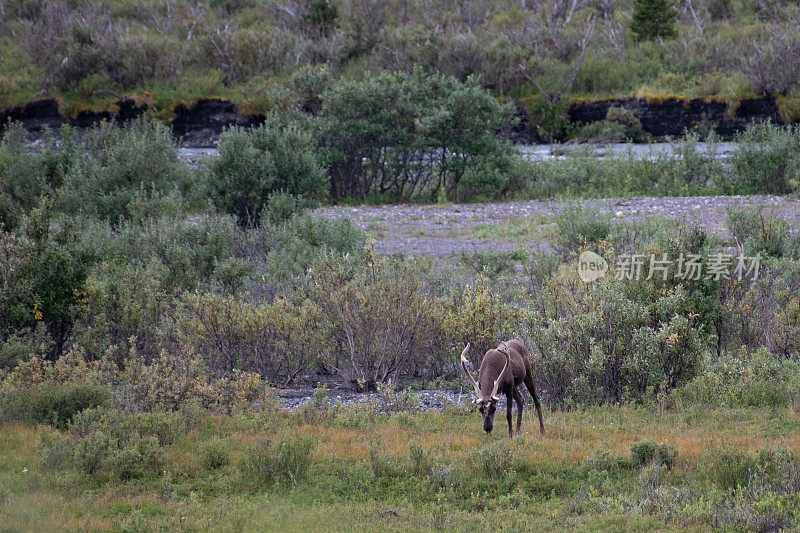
[492,376]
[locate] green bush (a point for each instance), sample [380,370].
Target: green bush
[190,250]
[255,165]
[271,461]
[731,469]
[368,303]
[94,452]
[51,403]
[603,131]
[765,161]
[122,164]
[493,462]
[380,463]
[24,176]
[581,173]
[625,118]
[53,451]
[647,451]
[215,454]
[138,458]
[397,136]
[744,380]
[418,460]
[758,233]
[618,339]
[578,227]
[123,426]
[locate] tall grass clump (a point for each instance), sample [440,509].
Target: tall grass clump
[271,461]
[766,160]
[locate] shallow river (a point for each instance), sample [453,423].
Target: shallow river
[544,151]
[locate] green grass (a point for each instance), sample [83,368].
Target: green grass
[516,230]
[555,481]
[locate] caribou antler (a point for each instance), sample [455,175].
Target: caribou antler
[503,351]
[464,365]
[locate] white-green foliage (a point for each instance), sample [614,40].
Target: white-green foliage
[255,165]
[397,136]
[124,167]
[745,379]
[766,160]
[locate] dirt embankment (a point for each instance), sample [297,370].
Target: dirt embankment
[674,116]
[199,125]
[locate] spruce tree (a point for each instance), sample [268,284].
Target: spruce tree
[653,19]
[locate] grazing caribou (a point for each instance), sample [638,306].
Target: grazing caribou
[502,371]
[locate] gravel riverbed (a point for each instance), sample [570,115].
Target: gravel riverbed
[441,230]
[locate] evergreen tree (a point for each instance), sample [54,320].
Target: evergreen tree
[652,19]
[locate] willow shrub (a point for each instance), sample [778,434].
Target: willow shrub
[765,161]
[123,166]
[256,166]
[598,344]
[382,322]
[397,136]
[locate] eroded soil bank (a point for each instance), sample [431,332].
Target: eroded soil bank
[198,125]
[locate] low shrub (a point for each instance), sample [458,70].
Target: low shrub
[493,464]
[94,452]
[165,428]
[138,458]
[418,460]
[732,469]
[765,161]
[604,131]
[578,227]
[648,451]
[744,380]
[759,233]
[380,463]
[215,454]
[53,451]
[52,403]
[271,461]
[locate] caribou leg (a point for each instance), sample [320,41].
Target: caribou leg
[520,404]
[532,389]
[509,406]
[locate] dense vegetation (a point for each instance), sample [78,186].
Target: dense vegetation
[539,54]
[148,308]
[117,255]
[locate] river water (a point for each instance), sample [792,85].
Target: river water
[544,152]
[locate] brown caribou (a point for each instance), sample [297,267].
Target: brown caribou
[502,370]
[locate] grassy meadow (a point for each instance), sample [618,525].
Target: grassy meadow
[422,472]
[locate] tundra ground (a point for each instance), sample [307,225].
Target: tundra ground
[417,472]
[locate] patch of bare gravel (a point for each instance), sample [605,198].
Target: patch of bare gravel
[440,230]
